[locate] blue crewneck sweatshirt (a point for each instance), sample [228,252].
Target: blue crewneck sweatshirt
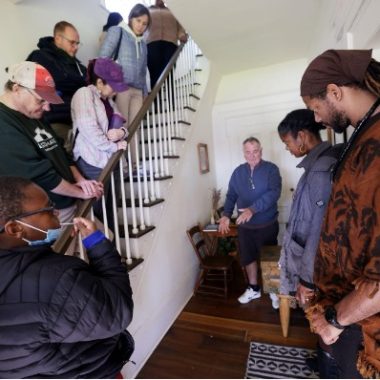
[259,190]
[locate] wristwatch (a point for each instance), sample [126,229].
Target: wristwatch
[330,315]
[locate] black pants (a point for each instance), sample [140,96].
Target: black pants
[339,359]
[159,54]
[251,241]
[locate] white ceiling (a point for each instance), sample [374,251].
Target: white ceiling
[238,35]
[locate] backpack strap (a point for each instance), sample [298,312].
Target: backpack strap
[116,53]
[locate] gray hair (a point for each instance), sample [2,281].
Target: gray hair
[251,140]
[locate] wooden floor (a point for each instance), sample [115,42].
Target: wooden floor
[210,339]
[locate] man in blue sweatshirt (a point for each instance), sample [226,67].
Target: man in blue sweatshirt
[254,188]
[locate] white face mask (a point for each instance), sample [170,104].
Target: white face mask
[51,235]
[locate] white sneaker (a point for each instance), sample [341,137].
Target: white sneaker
[249,295]
[275,300]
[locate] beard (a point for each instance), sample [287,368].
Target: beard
[338,121]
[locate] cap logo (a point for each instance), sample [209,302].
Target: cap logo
[49,81]
[43,78]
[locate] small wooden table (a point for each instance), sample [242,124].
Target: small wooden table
[269,257]
[212,234]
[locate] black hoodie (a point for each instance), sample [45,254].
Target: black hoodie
[68,73]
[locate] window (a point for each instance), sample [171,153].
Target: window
[124,6]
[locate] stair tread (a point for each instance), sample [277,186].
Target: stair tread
[137,202]
[135,263]
[126,179]
[146,141]
[184,122]
[135,235]
[166,123]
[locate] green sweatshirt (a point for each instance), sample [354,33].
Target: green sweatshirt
[30,149]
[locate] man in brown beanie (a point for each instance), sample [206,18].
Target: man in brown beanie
[342,87]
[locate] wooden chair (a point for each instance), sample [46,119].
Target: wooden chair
[214,268]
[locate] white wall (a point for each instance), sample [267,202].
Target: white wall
[167,277]
[252,103]
[22,23]
[347,24]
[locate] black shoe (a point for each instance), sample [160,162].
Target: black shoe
[312,363]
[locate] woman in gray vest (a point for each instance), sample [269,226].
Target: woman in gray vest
[301,134]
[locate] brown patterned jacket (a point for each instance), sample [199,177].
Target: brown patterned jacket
[349,247]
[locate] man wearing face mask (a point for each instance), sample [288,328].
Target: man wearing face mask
[29,147]
[59,316]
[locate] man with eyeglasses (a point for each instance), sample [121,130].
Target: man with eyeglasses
[29,147]
[60,316]
[58,55]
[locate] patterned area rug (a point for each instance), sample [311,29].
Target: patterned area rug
[268,361]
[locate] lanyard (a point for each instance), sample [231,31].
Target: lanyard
[353,137]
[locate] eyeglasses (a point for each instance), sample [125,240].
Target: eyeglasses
[49,208]
[71,42]
[39,100]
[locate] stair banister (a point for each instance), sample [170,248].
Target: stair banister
[84,206]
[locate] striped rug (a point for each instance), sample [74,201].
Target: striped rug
[269,361]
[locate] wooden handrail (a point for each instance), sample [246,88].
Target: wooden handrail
[84,206]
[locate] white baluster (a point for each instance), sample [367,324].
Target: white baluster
[105,217]
[151,179]
[114,209]
[143,161]
[135,230]
[125,218]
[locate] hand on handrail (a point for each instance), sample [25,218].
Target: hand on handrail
[122,145]
[116,134]
[91,188]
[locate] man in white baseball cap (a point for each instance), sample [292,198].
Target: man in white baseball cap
[35,77]
[30,148]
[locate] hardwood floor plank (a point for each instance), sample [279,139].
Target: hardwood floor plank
[210,338]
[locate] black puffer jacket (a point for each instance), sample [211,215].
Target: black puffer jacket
[68,73]
[61,317]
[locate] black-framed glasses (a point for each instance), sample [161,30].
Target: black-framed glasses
[71,42]
[39,100]
[49,208]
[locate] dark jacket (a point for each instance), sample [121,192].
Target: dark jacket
[259,190]
[68,73]
[61,317]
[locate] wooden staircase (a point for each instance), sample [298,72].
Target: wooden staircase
[152,209]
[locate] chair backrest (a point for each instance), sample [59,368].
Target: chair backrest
[197,241]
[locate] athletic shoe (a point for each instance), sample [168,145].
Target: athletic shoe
[275,300]
[249,295]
